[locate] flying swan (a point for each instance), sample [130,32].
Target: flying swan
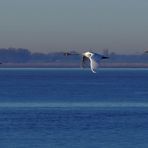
[94,59]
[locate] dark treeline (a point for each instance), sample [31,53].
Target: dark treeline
[135,58]
[14,55]
[20,55]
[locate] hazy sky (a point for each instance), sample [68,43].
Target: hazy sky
[45,25]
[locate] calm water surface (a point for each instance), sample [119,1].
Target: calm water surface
[64,85]
[62,108]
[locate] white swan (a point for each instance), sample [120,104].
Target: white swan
[94,59]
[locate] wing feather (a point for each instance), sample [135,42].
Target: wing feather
[84,61]
[94,61]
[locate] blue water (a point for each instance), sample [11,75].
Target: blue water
[63,85]
[62,108]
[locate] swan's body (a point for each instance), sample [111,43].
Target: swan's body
[94,59]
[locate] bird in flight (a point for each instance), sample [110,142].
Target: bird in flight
[94,59]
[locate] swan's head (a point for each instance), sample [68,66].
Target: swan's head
[87,54]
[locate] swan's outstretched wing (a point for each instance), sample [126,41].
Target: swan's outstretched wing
[94,61]
[84,61]
[93,65]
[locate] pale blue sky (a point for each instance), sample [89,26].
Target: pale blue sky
[45,25]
